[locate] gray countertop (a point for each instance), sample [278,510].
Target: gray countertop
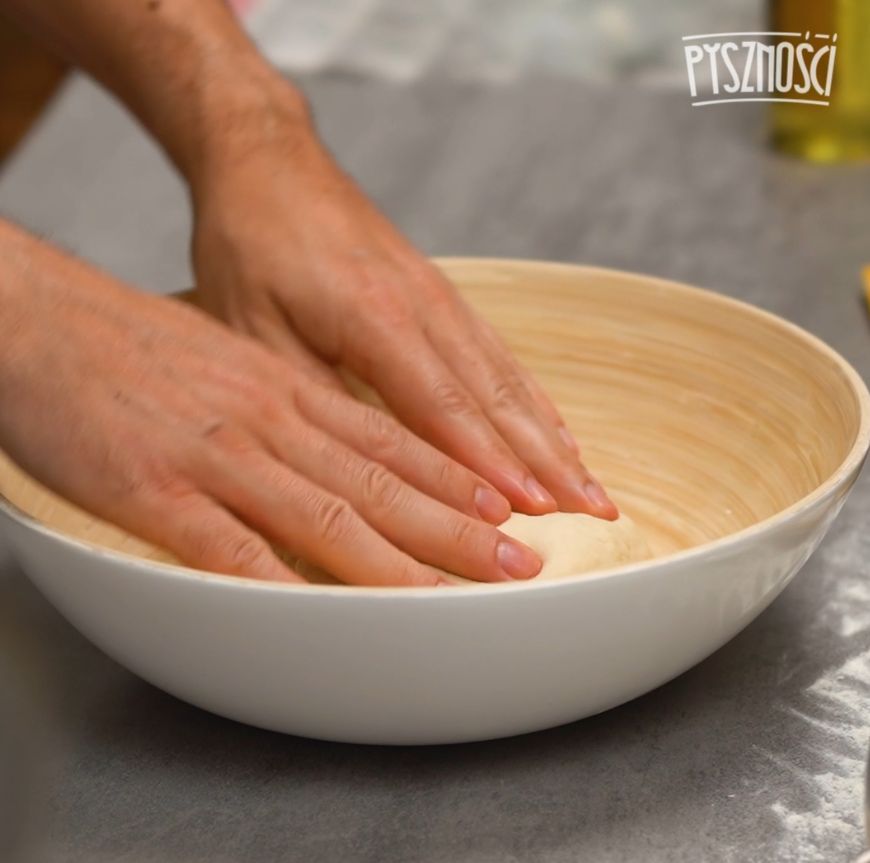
[756,754]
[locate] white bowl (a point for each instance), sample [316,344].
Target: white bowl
[730,436]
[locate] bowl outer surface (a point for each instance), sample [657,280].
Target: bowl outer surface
[421,667]
[426,666]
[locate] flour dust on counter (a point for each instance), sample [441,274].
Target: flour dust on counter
[822,818]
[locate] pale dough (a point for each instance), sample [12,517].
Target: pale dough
[571,543]
[568,543]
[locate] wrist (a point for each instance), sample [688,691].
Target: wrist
[253,110]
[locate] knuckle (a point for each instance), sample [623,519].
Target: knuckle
[507,393]
[241,551]
[223,438]
[246,389]
[395,312]
[382,434]
[380,488]
[464,532]
[451,400]
[426,277]
[412,574]
[446,474]
[233,376]
[333,520]
[386,304]
[265,404]
[152,480]
[178,501]
[284,486]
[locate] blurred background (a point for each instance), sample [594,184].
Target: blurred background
[404,40]
[496,40]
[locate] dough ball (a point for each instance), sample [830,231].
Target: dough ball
[568,543]
[572,543]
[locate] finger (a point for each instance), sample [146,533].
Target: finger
[203,535]
[423,527]
[308,521]
[379,437]
[500,387]
[545,405]
[542,400]
[427,397]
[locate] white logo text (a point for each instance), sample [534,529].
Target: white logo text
[768,67]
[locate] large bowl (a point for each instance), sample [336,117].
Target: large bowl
[730,436]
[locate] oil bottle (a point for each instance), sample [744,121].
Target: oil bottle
[840,131]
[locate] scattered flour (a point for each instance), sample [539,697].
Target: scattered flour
[823,820]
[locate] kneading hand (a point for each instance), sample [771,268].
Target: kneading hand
[152,415]
[288,249]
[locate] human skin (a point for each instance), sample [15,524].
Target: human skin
[289,251]
[153,415]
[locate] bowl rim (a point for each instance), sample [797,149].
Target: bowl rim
[849,466]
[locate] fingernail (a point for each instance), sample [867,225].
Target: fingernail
[517,560]
[568,439]
[491,506]
[596,495]
[538,493]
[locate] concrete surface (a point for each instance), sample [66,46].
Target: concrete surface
[756,754]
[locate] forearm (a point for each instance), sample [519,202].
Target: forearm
[34,277]
[185,68]
[34,274]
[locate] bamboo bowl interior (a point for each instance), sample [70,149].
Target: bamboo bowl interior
[702,416]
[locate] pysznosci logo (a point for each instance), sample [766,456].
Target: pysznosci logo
[760,67]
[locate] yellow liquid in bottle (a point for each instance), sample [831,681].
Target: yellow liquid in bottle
[840,131]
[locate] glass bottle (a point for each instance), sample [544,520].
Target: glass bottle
[841,130]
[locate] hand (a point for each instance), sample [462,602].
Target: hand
[152,415]
[288,249]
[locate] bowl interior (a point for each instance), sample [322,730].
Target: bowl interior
[701,415]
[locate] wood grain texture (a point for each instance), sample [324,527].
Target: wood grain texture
[701,415]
